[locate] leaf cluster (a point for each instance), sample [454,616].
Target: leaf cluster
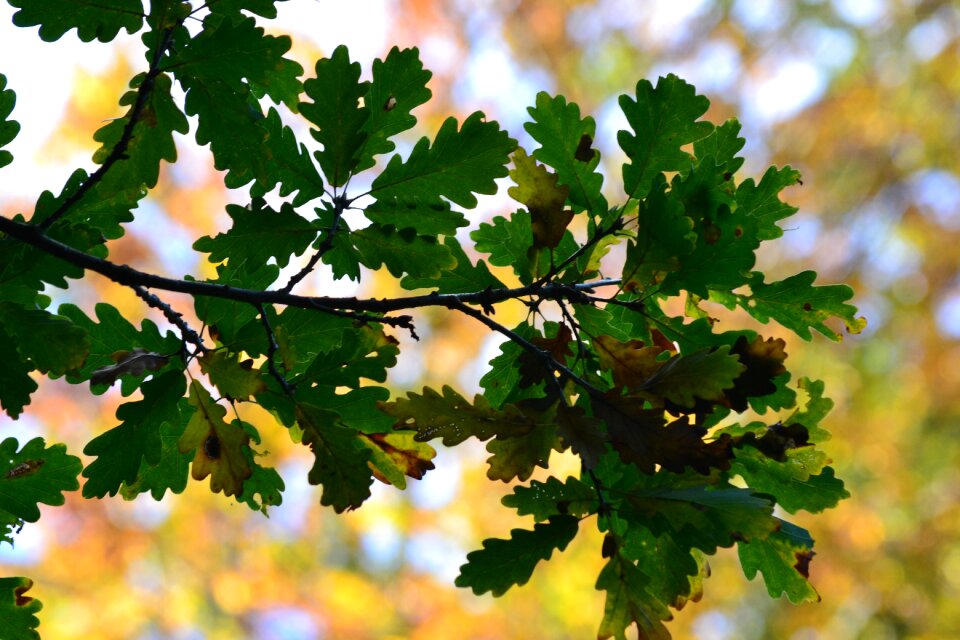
[599,368]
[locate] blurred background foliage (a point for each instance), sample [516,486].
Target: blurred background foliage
[863,96]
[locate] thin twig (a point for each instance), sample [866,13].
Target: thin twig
[272,348]
[119,151]
[173,317]
[340,204]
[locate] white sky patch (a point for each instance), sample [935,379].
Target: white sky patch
[862,13]
[788,89]
[948,315]
[362,26]
[831,48]
[938,193]
[928,38]
[761,15]
[440,485]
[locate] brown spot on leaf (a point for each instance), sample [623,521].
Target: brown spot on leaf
[25,468]
[803,562]
[211,447]
[807,306]
[711,233]
[390,104]
[609,546]
[727,175]
[584,152]
[21,600]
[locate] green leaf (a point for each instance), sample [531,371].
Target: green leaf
[16,385]
[265,8]
[762,201]
[121,450]
[501,382]
[628,602]
[594,322]
[100,19]
[504,563]
[17,619]
[258,234]
[226,318]
[231,52]
[51,343]
[336,92]
[722,145]
[430,219]
[264,482]
[663,120]
[674,573]
[553,498]
[459,164]
[801,481]
[517,456]
[220,447]
[289,164]
[8,128]
[566,144]
[399,85]
[665,236]
[173,469]
[114,333]
[152,141]
[232,123]
[340,465]
[366,352]
[303,334]
[466,277]
[700,516]
[799,306]
[35,475]
[784,559]
[234,379]
[509,243]
[449,416]
[402,251]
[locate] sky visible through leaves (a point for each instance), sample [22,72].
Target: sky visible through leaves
[860,95]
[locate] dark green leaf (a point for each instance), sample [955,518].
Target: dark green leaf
[264,482]
[399,85]
[35,475]
[504,563]
[663,120]
[463,278]
[173,469]
[8,128]
[258,234]
[17,610]
[114,333]
[553,498]
[431,219]
[289,164]
[121,450]
[340,466]
[459,164]
[231,52]
[100,19]
[762,202]
[16,385]
[566,145]
[336,92]
[799,306]
[509,243]
[402,251]
[51,343]
[629,602]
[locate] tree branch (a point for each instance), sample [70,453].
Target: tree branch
[119,151]
[128,276]
[175,318]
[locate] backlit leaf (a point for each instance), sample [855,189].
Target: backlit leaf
[504,563]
